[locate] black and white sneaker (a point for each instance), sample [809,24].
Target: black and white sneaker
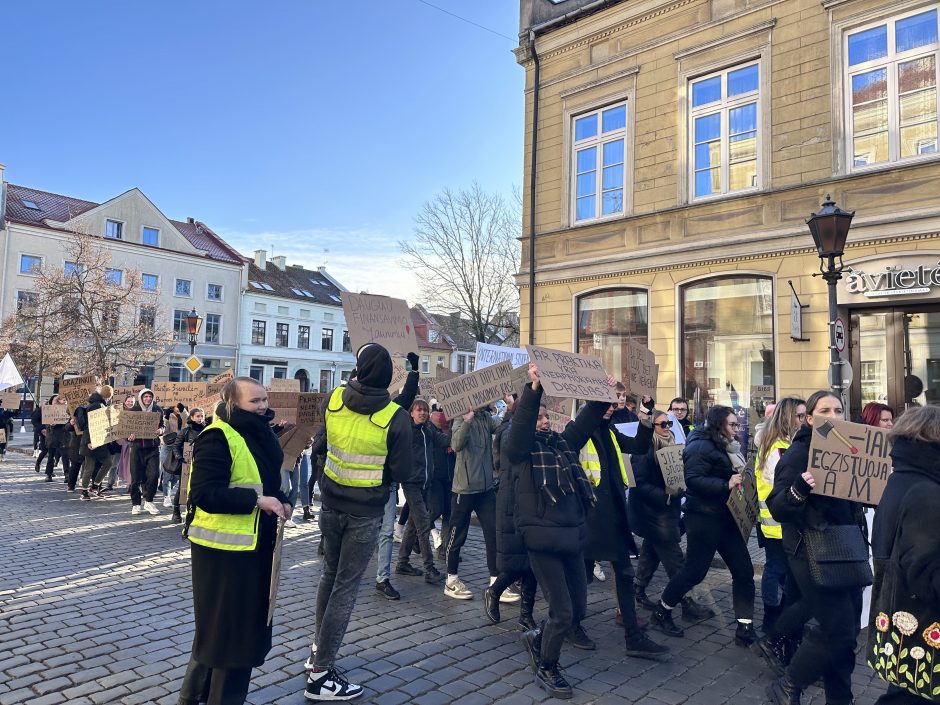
[330,685]
[309,664]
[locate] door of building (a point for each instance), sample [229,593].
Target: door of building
[895,355]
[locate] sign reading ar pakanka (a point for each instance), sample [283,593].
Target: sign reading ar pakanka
[379,319]
[849,460]
[474,390]
[571,375]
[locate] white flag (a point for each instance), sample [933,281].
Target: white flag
[9,375]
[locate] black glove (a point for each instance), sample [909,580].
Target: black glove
[647,407]
[413,360]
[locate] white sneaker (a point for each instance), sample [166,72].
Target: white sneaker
[456,589]
[36,453]
[599,572]
[399,532]
[290,524]
[510,596]
[167,501]
[135,509]
[309,664]
[150,508]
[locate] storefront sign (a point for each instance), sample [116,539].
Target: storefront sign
[903,275]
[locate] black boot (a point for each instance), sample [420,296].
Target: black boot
[550,679]
[772,651]
[533,645]
[641,646]
[692,611]
[662,618]
[307,515]
[526,605]
[783,692]
[771,612]
[491,605]
[579,639]
[642,599]
[177,518]
[745,635]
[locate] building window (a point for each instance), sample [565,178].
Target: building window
[258,331]
[282,335]
[326,339]
[598,163]
[433,335]
[30,264]
[214,292]
[326,380]
[176,372]
[280,373]
[114,229]
[465,363]
[150,236]
[727,339]
[440,360]
[607,321]
[724,114]
[891,78]
[148,282]
[180,330]
[213,327]
[256,372]
[303,337]
[425,364]
[184,287]
[26,299]
[74,269]
[114,276]
[148,318]
[347,343]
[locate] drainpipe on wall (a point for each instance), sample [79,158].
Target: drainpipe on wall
[532,165]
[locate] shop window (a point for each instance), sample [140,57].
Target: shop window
[607,320]
[727,340]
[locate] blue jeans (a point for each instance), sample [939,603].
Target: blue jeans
[775,572]
[386,537]
[290,485]
[170,483]
[348,542]
[305,480]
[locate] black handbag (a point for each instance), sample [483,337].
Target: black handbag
[838,557]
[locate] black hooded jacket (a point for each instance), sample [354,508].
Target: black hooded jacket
[707,471]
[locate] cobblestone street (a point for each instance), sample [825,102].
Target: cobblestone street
[95,607]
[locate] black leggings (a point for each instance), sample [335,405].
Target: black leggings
[484,504]
[564,585]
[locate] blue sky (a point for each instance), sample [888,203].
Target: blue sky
[318,127]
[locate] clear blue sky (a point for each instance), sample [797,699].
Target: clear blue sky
[305,124]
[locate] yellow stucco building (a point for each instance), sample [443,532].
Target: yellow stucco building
[681,145]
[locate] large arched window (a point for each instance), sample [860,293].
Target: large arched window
[727,340]
[607,320]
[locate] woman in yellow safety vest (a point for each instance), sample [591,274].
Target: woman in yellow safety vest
[235,498]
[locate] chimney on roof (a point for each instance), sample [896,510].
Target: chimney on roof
[321,268]
[260,259]
[280,262]
[191,221]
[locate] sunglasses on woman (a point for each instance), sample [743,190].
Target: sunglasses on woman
[664,424]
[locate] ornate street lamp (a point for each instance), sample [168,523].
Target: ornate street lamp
[193,326]
[830,229]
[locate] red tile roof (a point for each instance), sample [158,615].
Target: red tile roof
[284,282]
[59,208]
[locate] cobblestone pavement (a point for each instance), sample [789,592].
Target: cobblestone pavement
[95,607]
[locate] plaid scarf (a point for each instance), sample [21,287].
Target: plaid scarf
[558,468]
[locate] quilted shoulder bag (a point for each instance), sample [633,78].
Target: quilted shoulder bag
[837,556]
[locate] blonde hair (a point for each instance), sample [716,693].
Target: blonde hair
[661,441]
[230,395]
[780,425]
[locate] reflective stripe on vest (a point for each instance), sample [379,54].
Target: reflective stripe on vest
[230,532]
[769,526]
[591,462]
[357,445]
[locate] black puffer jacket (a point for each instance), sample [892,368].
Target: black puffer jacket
[425,440]
[649,499]
[800,508]
[187,435]
[95,402]
[511,555]
[707,471]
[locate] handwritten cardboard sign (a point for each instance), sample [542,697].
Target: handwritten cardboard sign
[207,404]
[102,427]
[849,460]
[742,503]
[310,408]
[571,375]
[121,393]
[399,377]
[442,373]
[284,385]
[672,468]
[644,372]
[3,436]
[628,466]
[558,421]
[172,393]
[108,424]
[474,390]
[293,441]
[55,414]
[488,355]
[379,319]
[76,390]
[11,400]
[223,377]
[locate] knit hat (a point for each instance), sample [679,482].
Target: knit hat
[374,366]
[107,391]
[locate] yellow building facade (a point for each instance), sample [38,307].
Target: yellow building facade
[680,146]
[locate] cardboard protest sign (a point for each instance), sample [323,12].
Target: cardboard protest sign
[520,378]
[284,405]
[223,377]
[3,436]
[643,370]
[571,375]
[284,385]
[187,469]
[172,393]
[310,408]
[558,421]
[488,355]
[213,388]
[379,319]
[293,441]
[11,400]
[54,414]
[628,466]
[849,460]
[672,468]
[474,390]
[399,377]
[108,424]
[742,503]
[275,571]
[76,390]
[442,373]
[207,404]
[121,393]
[102,428]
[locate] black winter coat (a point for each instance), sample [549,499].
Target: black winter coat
[230,588]
[187,435]
[707,471]
[95,402]
[425,439]
[544,527]
[511,555]
[649,499]
[803,509]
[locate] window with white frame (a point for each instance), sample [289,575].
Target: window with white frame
[184,287]
[214,292]
[149,282]
[114,276]
[425,364]
[724,117]
[213,327]
[598,159]
[891,89]
[114,229]
[150,236]
[30,264]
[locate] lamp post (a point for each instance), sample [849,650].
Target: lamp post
[333,375]
[830,229]
[193,325]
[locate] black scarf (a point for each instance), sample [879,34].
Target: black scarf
[557,466]
[260,439]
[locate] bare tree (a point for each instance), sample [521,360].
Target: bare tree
[100,314]
[34,338]
[466,252]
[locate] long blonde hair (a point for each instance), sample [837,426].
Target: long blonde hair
[661,441]
[780,426]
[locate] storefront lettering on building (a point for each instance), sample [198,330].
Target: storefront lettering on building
[877,279]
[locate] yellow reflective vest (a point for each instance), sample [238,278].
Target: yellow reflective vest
[768,525]
[229,532]
[356,444]
[591,462]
